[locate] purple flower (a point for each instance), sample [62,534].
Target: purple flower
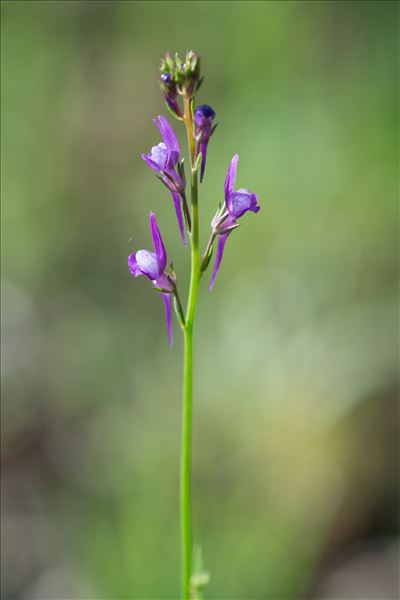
[237,203]
[204,128]
[164,159]
[152,265]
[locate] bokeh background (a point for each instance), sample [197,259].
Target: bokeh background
[296,415]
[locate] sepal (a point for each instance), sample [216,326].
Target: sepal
[161,289]
[164,182]
[179,312]
[206,260]
[181,171]
[198,84]
[198,162]
[221,231]
[173,274]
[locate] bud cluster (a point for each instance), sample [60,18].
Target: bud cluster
[179,78]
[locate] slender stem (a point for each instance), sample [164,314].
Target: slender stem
[185,483]
[185,492]
[188,120]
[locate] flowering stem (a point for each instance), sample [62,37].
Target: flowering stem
[188,120]
[185,483]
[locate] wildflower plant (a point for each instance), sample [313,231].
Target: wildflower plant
[179,82]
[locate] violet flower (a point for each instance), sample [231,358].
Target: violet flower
[237,203]
[164,160]
[152,265]
[204,128]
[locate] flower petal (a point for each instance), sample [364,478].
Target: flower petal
[150,163]
[158,244]
[239,202]
[231,178]
[218,258]
[243,197]
[167,299]
[133,266]
[170,140]
[178,209]
[164,284]
[159,156]
[147,264]
[204,114]
[255,207]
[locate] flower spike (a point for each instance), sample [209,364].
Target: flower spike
[179,81]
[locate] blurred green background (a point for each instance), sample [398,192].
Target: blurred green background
[296,415]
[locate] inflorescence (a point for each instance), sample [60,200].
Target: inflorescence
[179,82]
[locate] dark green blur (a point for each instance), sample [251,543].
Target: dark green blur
[296,418]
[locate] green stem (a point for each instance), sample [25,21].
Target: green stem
[186,525]
[186,452]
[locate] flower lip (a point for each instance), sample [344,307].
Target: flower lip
[159,155]
[240,202]
[147,264]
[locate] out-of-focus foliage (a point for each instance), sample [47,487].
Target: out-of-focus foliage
[295,421]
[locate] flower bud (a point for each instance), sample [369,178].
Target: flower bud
[204,116]
[179,77]
[191,69]
[169,88]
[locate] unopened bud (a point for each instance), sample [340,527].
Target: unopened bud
[179,77]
